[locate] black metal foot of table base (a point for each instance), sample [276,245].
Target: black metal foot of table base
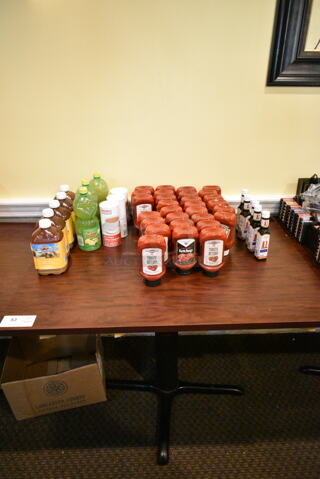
[314,370]
[165,398]
[167,386]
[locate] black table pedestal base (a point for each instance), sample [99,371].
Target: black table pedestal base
[167,386]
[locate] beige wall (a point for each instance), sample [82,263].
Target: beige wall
[148,91]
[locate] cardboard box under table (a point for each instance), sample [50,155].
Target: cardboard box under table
[42,376]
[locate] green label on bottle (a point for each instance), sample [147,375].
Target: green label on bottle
[89,239]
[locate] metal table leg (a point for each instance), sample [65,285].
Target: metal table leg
[167,385]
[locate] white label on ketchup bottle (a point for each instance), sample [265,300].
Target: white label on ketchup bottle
[213,252]
[143,207]
[152,261]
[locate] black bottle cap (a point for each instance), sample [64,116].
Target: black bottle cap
[184,271]
[152,283]
[211,274]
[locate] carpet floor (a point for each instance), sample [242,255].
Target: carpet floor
[272,432]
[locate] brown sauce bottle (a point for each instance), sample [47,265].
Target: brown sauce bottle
[65,214]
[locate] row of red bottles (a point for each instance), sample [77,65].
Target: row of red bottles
[199,227]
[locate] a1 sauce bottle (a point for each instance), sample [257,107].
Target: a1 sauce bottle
[263,237]
[151,249]
[253,227]
[184,243]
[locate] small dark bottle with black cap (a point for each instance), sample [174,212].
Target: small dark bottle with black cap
[212,247]
[152,250]
[263,237]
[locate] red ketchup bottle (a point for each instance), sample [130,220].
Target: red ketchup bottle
[147,214]
[185,190]
[143,189]
[165,199]
[228,223]
[175,215]
[184,243]
[195,202]
[223,207]
[216,201]
[198,217]
[210,196]
[165,210]
[165,188]
[209,223]
[192,210]
[212,188]
[191,197]
[165,194]
[151,249]
[148,221]
[212,244]
[163,230]
[141,202]
[166,202]
[180,222]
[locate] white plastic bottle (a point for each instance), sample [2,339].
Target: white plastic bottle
[121,200]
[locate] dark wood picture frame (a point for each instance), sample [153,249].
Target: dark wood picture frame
[290,64]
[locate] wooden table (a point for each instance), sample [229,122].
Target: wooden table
[102,292]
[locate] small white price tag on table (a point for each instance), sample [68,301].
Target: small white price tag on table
[18,321]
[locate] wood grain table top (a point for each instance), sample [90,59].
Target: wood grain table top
[102,291]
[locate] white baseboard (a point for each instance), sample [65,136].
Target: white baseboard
[29,209]
[22,209]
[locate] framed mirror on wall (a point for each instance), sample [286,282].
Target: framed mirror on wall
[295,49]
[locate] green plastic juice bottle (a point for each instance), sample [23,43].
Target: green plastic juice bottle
[99,186]
[91,193]
[87,223]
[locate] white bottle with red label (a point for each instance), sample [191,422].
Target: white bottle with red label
[263,237]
